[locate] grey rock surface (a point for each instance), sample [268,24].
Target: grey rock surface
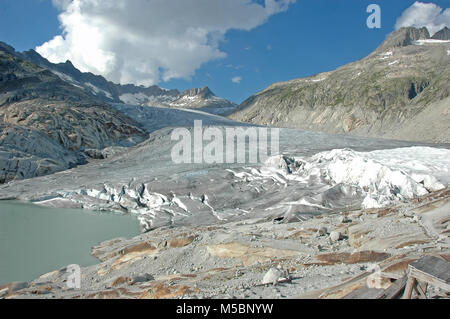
[101,89]
[46,123]
[399,91]
[443,34]
[223,261]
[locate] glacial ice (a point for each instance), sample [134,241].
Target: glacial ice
[384,176]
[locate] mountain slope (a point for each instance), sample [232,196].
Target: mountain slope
[106,91]
[403,82]
[48,125]
[444,34]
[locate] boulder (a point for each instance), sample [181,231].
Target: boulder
[335,236]
[274,275]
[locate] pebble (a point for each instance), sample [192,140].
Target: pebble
[142,278]
[18,285]
[3,292]
[344,219]
[335,236]
[322,231]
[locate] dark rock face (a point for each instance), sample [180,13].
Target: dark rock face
[444,34]
[102,90]
[106,91]
[204,92]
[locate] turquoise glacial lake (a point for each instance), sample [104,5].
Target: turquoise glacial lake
[35,240]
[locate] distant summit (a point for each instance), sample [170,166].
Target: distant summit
[205,100]
[7,48]
[404,37]
[204,92]
[444,34]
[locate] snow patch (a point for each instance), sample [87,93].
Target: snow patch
[97,90]
[386,55]
[430,41]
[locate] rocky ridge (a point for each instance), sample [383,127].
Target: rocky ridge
[47,125]
[395,92]
[106,91]
[444,34]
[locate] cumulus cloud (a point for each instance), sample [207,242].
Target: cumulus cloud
[146,41]
[236,79]
[427,15]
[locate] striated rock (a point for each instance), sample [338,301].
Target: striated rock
[140,279]
[13,287]
[365,237]
[46,123]
[181,242]
[162,291]
[119,293]
[27,153]
[134,253]
[352,258]
[120,281]
[249,255]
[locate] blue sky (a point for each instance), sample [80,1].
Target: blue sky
[311,36]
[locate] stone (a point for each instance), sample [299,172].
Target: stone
[134,253]
[181,242]
[376,281]
[344,219]
[273,276]
[335,236]
[322,231]
[120,281]
[4,292]
[18,285]
[163,291]
[354,258]
[364,237]
[249,255]
[141,279]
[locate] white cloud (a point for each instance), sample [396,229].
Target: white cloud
[146,41]
[427,15]
[236,79]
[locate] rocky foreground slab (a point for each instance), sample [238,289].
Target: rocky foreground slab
[327,256]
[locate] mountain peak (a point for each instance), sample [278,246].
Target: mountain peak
[7,48]
[404,37]
[203,92]
[444,34]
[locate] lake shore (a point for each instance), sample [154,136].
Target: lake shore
[326,256]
